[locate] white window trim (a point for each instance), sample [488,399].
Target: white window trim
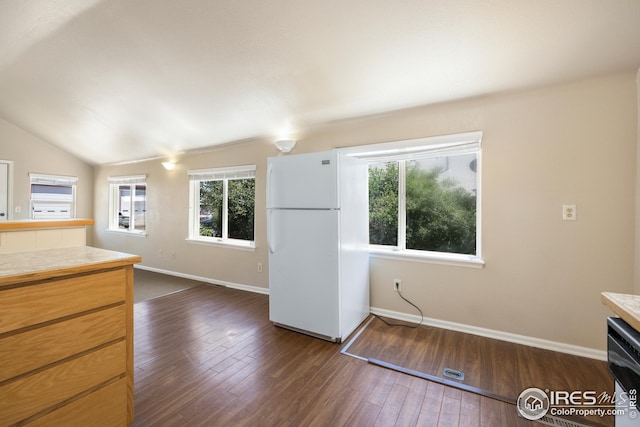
[128,179]
[421,148]
[46,179]
[216,174]
[10,207]
[114,182]
[444,258]
[248,245]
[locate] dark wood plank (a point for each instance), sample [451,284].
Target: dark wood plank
[431,406]
[412,406]
[469,410]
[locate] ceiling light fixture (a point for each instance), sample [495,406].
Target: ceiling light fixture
[285,145]
[169,165]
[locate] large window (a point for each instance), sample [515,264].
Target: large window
[424,197]
[128,204]
[222,205]
[52,196]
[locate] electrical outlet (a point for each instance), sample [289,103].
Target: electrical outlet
[569,212]
[396,285]
[259,267]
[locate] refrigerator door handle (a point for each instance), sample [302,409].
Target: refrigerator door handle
[270,231]
[269,185]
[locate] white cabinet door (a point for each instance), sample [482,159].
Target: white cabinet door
[303,270]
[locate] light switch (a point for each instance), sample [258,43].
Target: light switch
[569,212]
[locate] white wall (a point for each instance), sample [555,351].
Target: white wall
[31,154]
[566,144]
[167,217]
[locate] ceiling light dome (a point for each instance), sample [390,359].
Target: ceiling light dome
[285,145]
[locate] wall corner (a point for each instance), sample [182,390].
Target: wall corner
[637,214]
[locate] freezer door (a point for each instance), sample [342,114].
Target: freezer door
[303,270]
[307,181]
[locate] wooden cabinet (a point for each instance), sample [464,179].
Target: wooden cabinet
[66,338]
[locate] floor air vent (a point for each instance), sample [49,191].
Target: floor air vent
[453,374]
[550,420]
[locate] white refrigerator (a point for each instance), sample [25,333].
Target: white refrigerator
[318,238]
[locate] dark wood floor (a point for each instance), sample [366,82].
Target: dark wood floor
[208,356]
[497,367]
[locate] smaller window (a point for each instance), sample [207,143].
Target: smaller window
[52,196]
[222,205]
[128,204]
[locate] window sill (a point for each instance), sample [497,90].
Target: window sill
[233,244]
[128,233]
[431,258]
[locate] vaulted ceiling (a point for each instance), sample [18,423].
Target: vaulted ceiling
[120,80]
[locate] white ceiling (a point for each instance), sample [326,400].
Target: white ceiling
[120,80]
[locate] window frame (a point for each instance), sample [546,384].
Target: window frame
[224,174]
[115,182]
[53,180]
[405,150]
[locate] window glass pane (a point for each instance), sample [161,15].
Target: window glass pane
[383,203]
[127,204]
[51,201]
[211,193]
[124,206]
[52,192]
[441,204]
[140,206]
[241,207]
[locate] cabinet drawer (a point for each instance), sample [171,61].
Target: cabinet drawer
[107,407]
[39,347]
[32,394]
[45,301]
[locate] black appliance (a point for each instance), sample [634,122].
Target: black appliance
[623,353]
[623,357]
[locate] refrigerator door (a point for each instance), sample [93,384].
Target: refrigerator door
[303,270]
[303,181]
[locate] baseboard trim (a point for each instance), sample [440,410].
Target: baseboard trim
[443,324]
[499,335]
[254,289]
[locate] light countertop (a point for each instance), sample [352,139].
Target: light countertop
[36,224]
[625,306]
[28,266]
